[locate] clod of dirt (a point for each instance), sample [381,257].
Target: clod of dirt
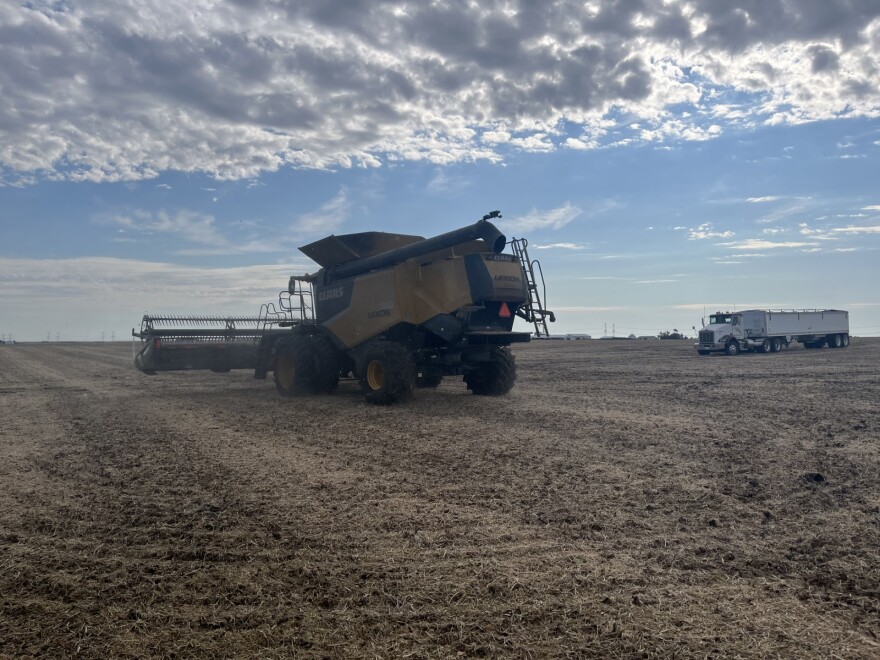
[814,478]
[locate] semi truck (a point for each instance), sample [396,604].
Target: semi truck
[769,331]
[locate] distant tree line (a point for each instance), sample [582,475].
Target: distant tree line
[675,334]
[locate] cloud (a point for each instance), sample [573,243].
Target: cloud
[762,200]
[88,295]
[588,309]
[746,255]
[190,226]
[560,246]
[727,306]
[760,244]
[197,234]
[857,230]
[553,219]
[873,207]
[327,219]
[705,231]
[815,234]
[128,89]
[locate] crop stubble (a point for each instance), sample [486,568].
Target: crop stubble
[627,498]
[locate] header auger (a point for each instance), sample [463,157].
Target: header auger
[392,310]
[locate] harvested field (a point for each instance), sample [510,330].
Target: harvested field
[626,499]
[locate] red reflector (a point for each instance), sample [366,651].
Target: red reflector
[504,312]
[156,344]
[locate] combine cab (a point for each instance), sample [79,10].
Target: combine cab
[392,310]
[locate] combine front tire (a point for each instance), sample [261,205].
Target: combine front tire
[294,367]
[326,364]
[387,373]
[495,377]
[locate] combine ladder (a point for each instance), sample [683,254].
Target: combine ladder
[534,311]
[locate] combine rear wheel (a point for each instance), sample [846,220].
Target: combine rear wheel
[495,377]
[387,374]
[294,367]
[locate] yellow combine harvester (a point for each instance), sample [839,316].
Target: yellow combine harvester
[391,310]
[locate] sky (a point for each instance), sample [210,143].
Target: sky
[664,158]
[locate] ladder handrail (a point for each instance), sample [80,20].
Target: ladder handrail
[534,311]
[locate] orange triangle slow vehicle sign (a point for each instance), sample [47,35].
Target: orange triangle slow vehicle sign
[504,312]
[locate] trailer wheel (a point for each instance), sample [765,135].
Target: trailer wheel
[327,365]
[294,367]
[776,345]
[387,374]
[495,377]
[766,346]
[732,347]
[835,341]
[845,338]
[430,377]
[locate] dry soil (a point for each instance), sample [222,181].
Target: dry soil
[628,498]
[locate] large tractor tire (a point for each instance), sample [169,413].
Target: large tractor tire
[430,377]
[387,374]
[495,377]
[326,364]
[294,367]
